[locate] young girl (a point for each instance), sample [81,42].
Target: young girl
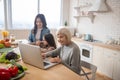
[48,43]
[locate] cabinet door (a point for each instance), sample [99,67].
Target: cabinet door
[108,64]
[98,58]
[116,70]
[116,73]
[112,63]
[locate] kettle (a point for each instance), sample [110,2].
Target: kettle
[88,37]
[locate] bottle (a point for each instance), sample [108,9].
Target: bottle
[12,37]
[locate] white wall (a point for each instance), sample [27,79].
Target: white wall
[105,24]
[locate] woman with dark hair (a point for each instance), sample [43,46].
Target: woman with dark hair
[39,30]
[48,43]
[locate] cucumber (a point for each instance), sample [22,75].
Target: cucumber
[18,65]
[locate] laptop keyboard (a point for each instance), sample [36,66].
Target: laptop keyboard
[45,63]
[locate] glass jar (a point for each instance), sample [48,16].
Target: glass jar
[12,37]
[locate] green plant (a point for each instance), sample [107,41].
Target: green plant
[65,23]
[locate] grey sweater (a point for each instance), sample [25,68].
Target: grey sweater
[70,56]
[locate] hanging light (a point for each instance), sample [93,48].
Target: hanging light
[99,6]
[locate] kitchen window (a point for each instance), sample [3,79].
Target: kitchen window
[51,9]
[1,14]
[23,13]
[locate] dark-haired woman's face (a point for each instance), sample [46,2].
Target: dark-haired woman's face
[39,23]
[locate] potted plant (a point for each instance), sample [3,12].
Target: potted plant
[65,24]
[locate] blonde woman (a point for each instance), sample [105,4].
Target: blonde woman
[68,53]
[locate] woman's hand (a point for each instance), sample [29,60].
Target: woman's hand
[55,60]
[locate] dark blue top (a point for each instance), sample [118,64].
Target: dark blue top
[43,32]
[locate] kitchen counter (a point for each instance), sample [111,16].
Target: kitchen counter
[109,46]
[58,72]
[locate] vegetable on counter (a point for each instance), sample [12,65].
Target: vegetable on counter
[4,74]
[6,57]
[11,55]
[20,67]
[3,59]
[12,70]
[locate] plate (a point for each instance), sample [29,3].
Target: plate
[18,76]
[5,50]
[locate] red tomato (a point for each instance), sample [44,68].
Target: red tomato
[4,74]
[7,40]
[13,71]
[7,44]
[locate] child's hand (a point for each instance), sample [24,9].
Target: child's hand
[38,43]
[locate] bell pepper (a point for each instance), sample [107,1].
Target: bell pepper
[13,71]
[4,74]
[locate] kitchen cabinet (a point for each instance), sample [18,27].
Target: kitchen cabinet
[112,64]
[116,70]
[98,58]
[107,62]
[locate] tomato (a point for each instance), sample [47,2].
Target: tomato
[6,40]
[4,74]
[13,71]
[7,44]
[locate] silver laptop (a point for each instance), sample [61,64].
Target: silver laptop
[31,54]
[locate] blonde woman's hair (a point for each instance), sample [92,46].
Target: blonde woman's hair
[64,31]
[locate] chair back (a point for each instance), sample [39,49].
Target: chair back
[88,69]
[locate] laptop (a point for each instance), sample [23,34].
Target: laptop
[31,54]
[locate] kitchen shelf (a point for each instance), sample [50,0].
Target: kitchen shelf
[76,16]
[83,14]
[77,7]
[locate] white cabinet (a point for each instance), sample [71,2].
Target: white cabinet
[107,62]
[112,63]
[116,70]
[98,58]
